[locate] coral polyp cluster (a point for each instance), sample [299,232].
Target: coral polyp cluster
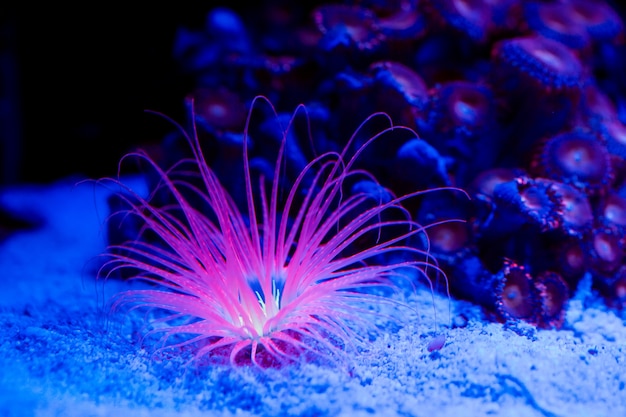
[291,274]
[520,103]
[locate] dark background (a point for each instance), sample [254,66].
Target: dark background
[74,83]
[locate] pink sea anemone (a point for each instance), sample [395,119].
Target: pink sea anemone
[274,282]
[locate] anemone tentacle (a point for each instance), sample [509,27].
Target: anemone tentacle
[276,284]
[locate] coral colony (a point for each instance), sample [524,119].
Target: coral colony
[522,104]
